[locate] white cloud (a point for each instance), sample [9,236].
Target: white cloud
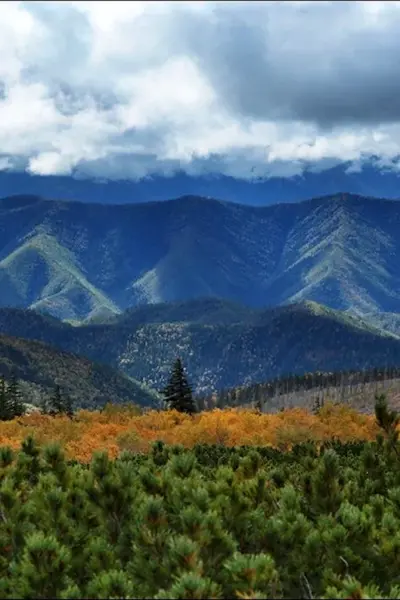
[5,163]
[128,89]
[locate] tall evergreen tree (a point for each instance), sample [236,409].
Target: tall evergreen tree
[60,404]
[317,406]
[178,393]
[258,399]
[68,406]
[5,409]
[14,398]
[222,399]
[55,402]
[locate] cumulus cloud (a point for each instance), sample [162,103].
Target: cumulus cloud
[249,89]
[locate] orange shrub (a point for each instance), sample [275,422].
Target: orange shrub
[115,430]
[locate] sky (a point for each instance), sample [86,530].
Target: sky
[128,90]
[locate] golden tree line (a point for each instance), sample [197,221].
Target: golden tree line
[119,428]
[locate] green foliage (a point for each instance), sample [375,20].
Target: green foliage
[211,522]
[43,569]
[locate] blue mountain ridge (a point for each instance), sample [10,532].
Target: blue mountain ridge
[369,181]
[80,261]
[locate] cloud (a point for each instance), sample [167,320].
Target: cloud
[248,89]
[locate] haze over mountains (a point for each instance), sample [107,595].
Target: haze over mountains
[369,179]
[80,261]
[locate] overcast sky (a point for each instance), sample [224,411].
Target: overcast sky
[129,89]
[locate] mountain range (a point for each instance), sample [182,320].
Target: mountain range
[221,343]
[241,293]
[80,261]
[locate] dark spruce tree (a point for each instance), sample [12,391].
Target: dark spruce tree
[178,393]
[14,398]
[11,405]
[59,404]
[55,405]
[5,408]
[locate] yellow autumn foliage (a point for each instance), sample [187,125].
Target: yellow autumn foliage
[118,429]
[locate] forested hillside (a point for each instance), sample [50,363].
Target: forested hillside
[39,367]
[221,344]
[78,261]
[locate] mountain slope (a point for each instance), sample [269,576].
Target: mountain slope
[344,254]
[39,367]
[80,261]
[221,347]
[389,322]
